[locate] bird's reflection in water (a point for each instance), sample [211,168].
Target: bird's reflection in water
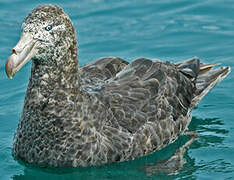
[180,164]
[173,164]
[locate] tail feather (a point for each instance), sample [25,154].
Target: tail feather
[190,68]
[206,78]
[204,68]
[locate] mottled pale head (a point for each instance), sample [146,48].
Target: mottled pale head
[47,35]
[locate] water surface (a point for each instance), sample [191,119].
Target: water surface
[165,29]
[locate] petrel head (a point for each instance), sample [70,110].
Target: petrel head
[47,34]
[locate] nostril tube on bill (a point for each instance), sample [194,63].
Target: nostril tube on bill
[13,51]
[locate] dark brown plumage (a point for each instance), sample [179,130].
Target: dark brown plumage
[106,111]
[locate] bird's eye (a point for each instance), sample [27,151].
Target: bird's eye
[48,28]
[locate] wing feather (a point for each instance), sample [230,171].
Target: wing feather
[147,91]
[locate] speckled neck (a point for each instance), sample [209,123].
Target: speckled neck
[51,82]
[60,72]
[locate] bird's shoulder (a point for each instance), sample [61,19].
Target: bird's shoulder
[101,69]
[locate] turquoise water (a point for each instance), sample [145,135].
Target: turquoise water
[169,30]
